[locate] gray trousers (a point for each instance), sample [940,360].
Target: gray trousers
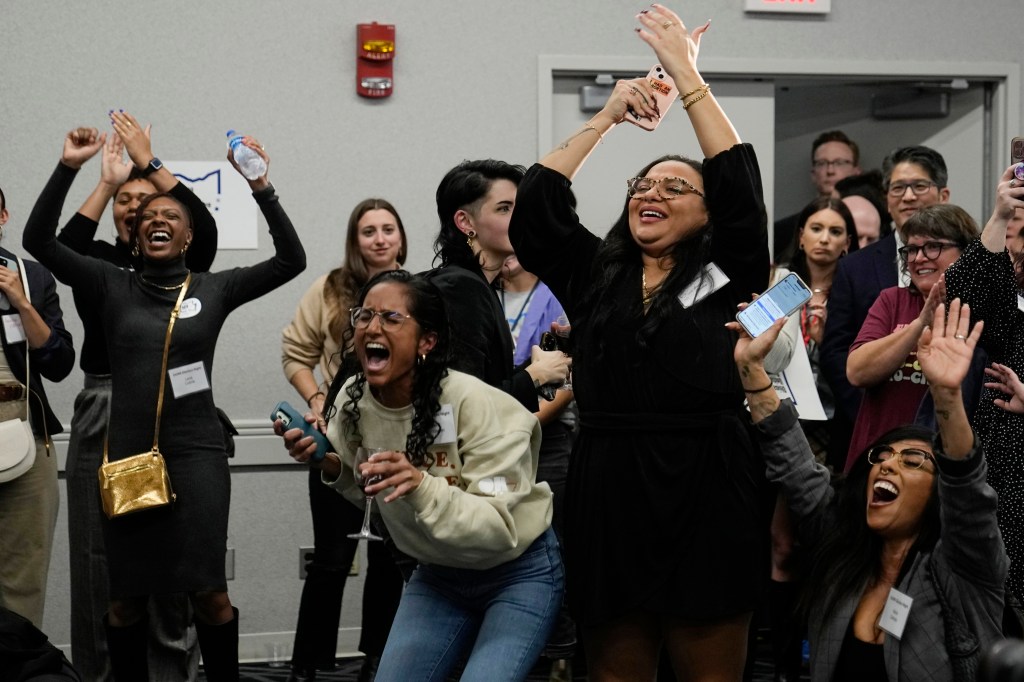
[173,649]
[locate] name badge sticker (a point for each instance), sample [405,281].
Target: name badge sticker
[190,307]
[14,332]
[700,288]
[446,420]
[188,379]
[894,616]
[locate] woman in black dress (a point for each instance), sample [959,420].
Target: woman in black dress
[179,548]
[664,520]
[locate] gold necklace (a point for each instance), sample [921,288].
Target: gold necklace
[648,294]
[174,287]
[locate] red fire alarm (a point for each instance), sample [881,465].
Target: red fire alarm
[375,52]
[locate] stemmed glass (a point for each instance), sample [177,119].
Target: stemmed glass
[362,457]
[561,328]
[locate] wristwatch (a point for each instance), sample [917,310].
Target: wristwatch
[155,164]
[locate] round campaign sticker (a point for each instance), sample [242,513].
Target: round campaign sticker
[190,307]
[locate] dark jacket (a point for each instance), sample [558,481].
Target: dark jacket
[55,359]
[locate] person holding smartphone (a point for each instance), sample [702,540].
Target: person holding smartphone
[987,277]
[33,344]
[665,513]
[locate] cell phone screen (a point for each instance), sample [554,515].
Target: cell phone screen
[779,301]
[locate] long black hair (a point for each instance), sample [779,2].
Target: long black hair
[427,308]
[849,553]
[618,264]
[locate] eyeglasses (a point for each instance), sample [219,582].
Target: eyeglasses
[390,320]
[668,188]
[911,458]
[898,189]
[822,164]
[931,250]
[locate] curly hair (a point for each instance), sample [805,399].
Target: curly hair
[427,308]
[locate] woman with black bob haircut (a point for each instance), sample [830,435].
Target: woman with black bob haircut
[474,204]
[908,568]
[455,471]
[663,482]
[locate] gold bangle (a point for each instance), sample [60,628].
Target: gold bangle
[582,130]
[703,86]
[687,105]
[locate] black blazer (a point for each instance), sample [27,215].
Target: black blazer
[859,279]
[57,356]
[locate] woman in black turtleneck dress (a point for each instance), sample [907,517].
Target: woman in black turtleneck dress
[178,548]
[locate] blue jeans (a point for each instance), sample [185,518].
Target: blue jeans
[501,616]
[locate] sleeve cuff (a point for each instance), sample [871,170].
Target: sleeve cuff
[957,468]
[779,422]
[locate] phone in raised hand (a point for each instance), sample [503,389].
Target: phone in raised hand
[665,93]
[781,300]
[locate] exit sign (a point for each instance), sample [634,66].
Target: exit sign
[791,6]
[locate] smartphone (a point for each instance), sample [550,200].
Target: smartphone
[549,342]
[11,265]
[665,93]
[1017,150]
[294,420]
[782,299]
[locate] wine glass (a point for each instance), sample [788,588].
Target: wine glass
[561,328]
[362,457]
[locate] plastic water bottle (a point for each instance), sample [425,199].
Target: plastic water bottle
[251,163]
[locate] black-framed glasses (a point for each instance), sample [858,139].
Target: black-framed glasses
[390,320]
[668,188]
[838,164]
[911,458]
[919,187]
[931,250]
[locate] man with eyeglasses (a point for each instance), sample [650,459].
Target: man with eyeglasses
[913,177]
[834,156]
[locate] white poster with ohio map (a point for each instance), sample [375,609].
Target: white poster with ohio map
[227,195]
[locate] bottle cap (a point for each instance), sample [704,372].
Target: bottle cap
[231,133]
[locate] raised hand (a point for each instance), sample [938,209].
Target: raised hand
[945,349]
[676,46]
[935,297]
[134,136]
[80,145]
[253,144]
[114,170]
[1005,380]
[750,351]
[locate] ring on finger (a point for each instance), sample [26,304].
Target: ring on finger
[1013,183]
[960,336]
[668,24]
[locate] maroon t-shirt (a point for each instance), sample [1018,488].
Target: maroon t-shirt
[893,402]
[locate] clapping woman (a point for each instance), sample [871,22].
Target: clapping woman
[177,548]
[664,521]
[375,242]
[455,488]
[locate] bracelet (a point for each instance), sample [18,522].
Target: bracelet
[310,398]
[771,384]
[582,130]
[707,91]
[697,89]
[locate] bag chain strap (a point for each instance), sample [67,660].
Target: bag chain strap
[163,372]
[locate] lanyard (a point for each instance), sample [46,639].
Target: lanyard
[515,323]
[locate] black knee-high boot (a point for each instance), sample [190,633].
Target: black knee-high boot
[128,650]
[219,646]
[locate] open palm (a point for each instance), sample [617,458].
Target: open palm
[945,349]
